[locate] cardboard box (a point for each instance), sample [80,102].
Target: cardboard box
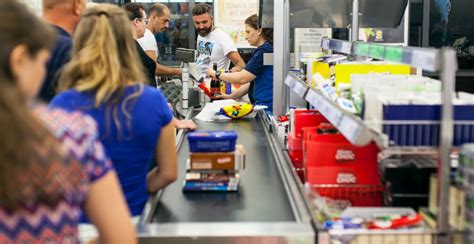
[457,204]
[219,160]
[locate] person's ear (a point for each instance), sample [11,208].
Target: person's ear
[78,6]
[259,31]
[18,58]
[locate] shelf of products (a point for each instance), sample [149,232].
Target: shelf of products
[351,126]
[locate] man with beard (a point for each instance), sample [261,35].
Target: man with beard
[213,44]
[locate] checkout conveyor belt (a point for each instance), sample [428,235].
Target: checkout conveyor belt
[261,197]
[263,208]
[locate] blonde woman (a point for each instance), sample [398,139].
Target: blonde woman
[104,80]
[51,162]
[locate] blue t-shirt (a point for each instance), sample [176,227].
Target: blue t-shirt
[132,149]
[60,55]
[263,83]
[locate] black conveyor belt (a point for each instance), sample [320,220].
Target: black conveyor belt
[261,198]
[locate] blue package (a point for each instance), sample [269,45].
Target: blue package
[421,133]
[212,141]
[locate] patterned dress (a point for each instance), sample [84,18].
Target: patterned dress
[40,222]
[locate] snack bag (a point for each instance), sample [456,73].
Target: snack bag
[236,111]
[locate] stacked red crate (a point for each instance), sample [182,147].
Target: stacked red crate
[331,160]
[300,119]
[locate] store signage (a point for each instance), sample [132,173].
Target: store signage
[230,16]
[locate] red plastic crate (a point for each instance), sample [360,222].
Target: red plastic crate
[304,118]
[335,150]
[352,195]
[294,143]
[296,156]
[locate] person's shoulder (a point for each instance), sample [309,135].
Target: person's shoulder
[68,94]
[266,47]
[151,91]
[220,33]
[62,122]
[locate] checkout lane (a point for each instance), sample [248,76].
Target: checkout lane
[261,198]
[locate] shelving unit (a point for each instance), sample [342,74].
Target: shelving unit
[351,126]
[356,130]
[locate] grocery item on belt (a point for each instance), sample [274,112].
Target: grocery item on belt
[212,141]
[236,111]
[218,160]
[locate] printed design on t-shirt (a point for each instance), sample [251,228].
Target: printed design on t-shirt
[204,52]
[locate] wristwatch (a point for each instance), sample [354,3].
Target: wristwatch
[218,73]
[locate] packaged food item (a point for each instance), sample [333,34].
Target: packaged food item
[212,141]
[218,160]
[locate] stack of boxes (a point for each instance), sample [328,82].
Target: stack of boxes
[214,162]
[465,178]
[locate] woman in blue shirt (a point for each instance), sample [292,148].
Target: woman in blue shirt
[256,78]
[104,79]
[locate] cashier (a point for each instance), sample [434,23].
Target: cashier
[256,78]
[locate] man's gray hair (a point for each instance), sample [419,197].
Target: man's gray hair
[158,9]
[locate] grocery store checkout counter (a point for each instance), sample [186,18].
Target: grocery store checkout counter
[268,208]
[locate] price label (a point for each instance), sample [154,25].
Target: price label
[362,49]
[377,51]
[300,89]
[394,54]
[346,47]
[312,98]
[424,59]
[331,112]
[290,81]
[325,43]
[349,128]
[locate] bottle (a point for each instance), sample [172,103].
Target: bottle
[215,84]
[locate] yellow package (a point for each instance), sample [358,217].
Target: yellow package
[344,71]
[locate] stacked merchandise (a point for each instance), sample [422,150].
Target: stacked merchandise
[339,170]
[299,119]
[466,178]
[214,162]
[407,109]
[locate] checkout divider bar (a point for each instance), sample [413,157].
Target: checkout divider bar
[290,179]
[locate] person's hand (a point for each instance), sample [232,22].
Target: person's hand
[185,124]
[211,73]
[223,96]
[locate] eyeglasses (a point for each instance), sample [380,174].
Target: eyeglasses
[144,20]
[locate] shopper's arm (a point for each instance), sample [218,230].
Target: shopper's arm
[238,62]
[105,206]
[240,78]
[152,54]
[166,171]
[162,70]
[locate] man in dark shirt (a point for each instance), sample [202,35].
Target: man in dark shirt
[63,15]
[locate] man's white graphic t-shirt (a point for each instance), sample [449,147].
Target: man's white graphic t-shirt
[214,48]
